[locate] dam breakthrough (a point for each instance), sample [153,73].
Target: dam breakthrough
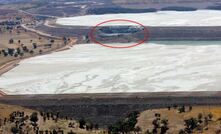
[177,33]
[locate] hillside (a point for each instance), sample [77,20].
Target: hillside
[165,3]
[207,119]
[11,1]
[23,120]
[173,120]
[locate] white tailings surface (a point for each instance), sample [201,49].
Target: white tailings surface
[92,68]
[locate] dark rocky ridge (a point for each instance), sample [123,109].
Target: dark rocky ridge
[108,108]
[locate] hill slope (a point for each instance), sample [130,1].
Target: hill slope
[165,3]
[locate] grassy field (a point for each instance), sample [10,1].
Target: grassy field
[24,38]
[176,119]
[60,124]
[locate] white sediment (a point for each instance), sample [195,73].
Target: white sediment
[161,18]
[92,68]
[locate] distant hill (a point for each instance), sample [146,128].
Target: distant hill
[19,1]
[12,1]
[201,4]
[161,1]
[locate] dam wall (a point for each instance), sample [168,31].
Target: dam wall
[155,33]
[105,109]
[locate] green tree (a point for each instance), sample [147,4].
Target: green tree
[96,126]
[40,51]
[210,116]
[190,108]
[82,123]
[191,124]
[89,126]
[124,126]
[52,41]
[14,130]
[34,45]
[137,130]
[31,52]
[206,120]
[182,131]
[164,126]
[11,51]
[11,41]
[181,109]
[34,118]
[200,116]
[71,132]
[148,132]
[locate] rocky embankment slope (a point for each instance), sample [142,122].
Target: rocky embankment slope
[108,108]
[178,33]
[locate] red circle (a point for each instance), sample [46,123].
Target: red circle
[93,30]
